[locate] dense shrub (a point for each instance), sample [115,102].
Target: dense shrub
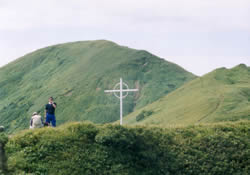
[3,141]
[144,114]
[81,148]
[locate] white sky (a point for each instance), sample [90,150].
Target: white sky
[199,35]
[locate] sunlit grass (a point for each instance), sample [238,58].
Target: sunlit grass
[222,95]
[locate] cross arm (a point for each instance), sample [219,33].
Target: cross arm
[108,91]
[125,90]
[130,90]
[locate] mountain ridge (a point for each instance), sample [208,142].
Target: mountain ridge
[77,74]
[221,95]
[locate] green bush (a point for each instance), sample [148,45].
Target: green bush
[144,114]
[84,148]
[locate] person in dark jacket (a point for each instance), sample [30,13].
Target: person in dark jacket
[50,112]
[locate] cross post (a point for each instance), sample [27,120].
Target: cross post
[121,96]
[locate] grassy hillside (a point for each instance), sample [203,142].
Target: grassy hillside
[88,149]
[222,95]
[77,74]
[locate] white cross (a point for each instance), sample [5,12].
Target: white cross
[121,90]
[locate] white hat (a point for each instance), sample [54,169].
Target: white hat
[34,113]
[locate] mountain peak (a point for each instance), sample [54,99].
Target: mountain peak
[241,66]
[77,74]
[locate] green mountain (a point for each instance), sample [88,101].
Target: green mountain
[77,74]
[80,148]
[222,95]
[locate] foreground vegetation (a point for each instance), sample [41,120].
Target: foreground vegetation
[84,148]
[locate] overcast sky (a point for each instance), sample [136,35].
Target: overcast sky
[199,35]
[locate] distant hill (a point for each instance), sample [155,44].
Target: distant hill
[222,95]
[77,74]
[80,148]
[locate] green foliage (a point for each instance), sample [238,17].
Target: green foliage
[84,148]
[143,115]
[222,95]
[3,160]
[3,138]
[77,74]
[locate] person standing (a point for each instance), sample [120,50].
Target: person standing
[50,112]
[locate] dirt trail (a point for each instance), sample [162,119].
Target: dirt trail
[221,99]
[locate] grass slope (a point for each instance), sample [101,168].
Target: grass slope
[222,95]
[88,149]
[77,75]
